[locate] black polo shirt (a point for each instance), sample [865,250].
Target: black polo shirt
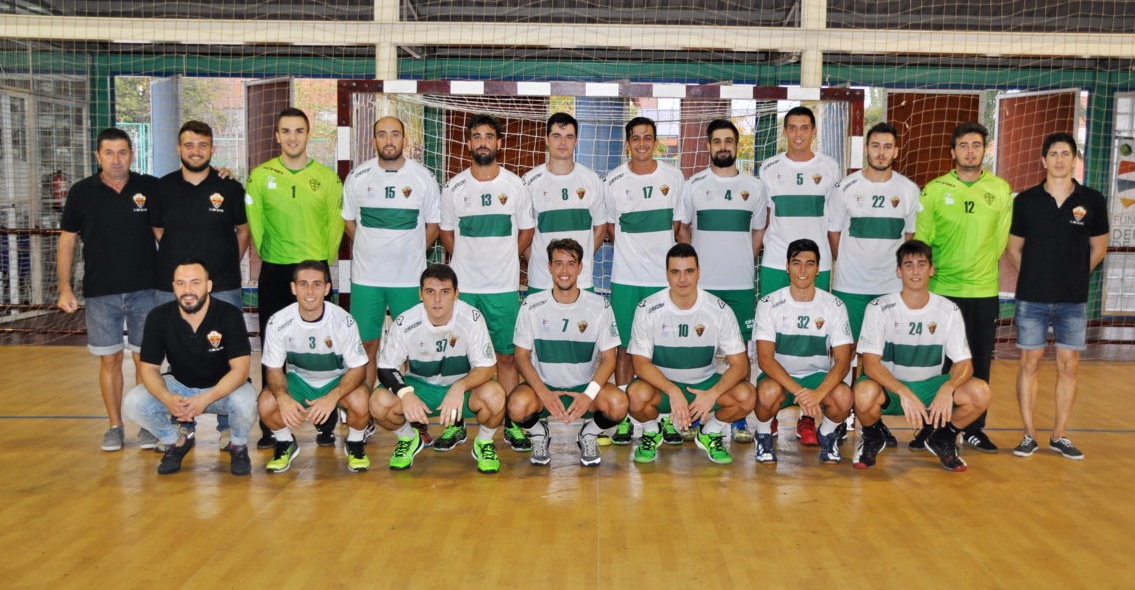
[199,221]
[118,243]
[1057,253]
[196,359]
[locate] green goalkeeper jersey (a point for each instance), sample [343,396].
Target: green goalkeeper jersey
[294,215]
[967,225]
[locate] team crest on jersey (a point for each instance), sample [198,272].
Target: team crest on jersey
[139,200]
[452,341]
[819,323]
[327,342]
[314,184]
[988,198]
[894,202]
[816,178]
[214,338]
[744,195]
[580,192]
[582,325]
[216,200]
[406,191]
[699,329]
[1079,213]
[665,189]
[932,327]
[502,198]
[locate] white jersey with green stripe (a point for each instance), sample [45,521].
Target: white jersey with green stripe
[566,338]
[485,218]
[804,331]
[682,343]
[722,212]
[564,206]
[390,209]
[318,352]
[871,218]
[643,209]
[797,193]
[913,343]
[438,354]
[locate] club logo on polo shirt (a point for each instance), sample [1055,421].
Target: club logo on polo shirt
[988,198]
[582,325]
[819,323]
[139,201]
[1079,212]
[932,327]
[406,191]
[216,200]
[665,189]
[744,195]
[453,341]
[580,192]
[328,343]
[894,202]
[214,338]
[817,178]
[699,329]
[502,198]
[314,184]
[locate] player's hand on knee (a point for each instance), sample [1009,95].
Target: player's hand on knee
[914,412]
[450,407]
[680,411]
[414,409]
[580,403]
[552,403]
[292,412]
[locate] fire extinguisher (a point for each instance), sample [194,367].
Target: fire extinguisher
[58,189]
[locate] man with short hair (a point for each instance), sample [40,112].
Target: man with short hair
[906,339]
[451,363]
[1058,235]
[565,349]
[486,222]
[804,353]
[964,216]
[294,208]
[676,336]
[110,211]
[326,365]
[206,344]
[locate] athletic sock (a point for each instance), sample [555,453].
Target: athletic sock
[591,427]
[827,426]
[283,435]
[354,435]
[537,429]
[764,427]
[713,425]
[649,426]
[484,433]
[603,421]
[406,430]
[528,422]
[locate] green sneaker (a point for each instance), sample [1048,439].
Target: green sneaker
[404,452]
[714,447]
[453,436]
[623,432]
[282,457]
[647,449]
[486,455]
[516,438]
[357,459]
[670,435]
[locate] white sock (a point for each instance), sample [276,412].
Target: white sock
[354,435]
[591,428]
[484,433]
[283,435]
[405,431]
[538,429]
[765,427]
[649,426]
[827,426]
[713,425]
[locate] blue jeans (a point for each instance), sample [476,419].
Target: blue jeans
[106,314]
[1069,323]
[150,413]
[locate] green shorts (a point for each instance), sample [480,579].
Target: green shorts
[664,407]
[369,304]
[500,311]
[624,300]
[773,279]
[743,302]
[924,390]
[856,305]
[432,395]
[302,392]
[808,381]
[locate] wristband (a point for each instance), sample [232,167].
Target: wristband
[402,392]
[592,390]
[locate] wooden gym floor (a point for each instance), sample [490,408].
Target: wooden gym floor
[73,516]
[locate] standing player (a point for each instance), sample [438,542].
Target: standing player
[293,204]
[906,339]
[965,217]
[326,364]
[798,182]
[1059,234]
[804,353]
[110,211]
[451,365]
[565,350]
[486,222]
[723,214]
[677,334]
[567,202]
[391,211]
[870,213]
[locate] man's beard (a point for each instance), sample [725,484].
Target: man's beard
[193,308]
[385,158]
[203,167]
[484,159]
[724,161]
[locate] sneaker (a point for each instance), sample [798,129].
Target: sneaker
[451,437]
[806,431]
[325,438]
[766,453]
[588,449]
[840,433]
[486,455]
[146,440]
[239,463]
[1065,447]
[870,445]
[979,441]
[516,438]
[357,459]
[540,455]
[405,451]
[647,449]
[670,435]
[714,447]
[267,441]
[368,432]
[285,451]
[1027,447]
[424,433]
[623,432]
[171,459]
[943,444]
[918,443]
[740,433]
[829,447]
[888,436]
[113,438]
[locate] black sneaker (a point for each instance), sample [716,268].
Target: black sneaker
[267,441]
[944,445]
[870,445]
[326,436]
[1065,447]
[888,436]
[171,459]
[979,441]
[919,441]
[239,463]
[623,432]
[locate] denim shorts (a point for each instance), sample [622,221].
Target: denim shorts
[107,314]
[1069,322]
